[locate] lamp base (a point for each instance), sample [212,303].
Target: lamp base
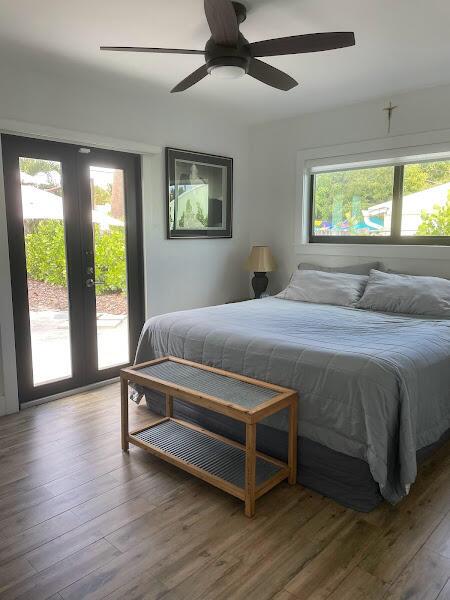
[259,283]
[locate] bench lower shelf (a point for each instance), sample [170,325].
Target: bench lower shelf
[213,458]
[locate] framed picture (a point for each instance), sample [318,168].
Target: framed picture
[199,195]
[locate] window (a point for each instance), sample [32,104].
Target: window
[392,204]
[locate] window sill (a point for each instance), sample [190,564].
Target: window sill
[375,250]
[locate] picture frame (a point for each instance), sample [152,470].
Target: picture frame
[199,195]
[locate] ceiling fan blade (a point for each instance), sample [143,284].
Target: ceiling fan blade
[159,50]
[222,21]
[271,76]
[191,79]
[299,44]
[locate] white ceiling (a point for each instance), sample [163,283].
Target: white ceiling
[401,45]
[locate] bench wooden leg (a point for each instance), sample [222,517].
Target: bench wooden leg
[124,412]
[250,469]
[292,452]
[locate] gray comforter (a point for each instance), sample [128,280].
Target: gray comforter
[371,385]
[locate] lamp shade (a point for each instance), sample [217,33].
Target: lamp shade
[260,260]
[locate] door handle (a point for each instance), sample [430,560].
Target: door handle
[91,283]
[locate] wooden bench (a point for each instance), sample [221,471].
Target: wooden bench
[235,468]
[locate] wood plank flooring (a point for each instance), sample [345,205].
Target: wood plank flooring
[80,519]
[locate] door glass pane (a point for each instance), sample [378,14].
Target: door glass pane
[45,250]
[426,199]
[108,219]
[355,202]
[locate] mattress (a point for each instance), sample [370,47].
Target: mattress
[373,387]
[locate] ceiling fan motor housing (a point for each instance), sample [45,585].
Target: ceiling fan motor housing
[224,56]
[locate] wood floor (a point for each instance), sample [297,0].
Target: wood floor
[79,520]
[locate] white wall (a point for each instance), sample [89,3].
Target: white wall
[179,273]
[277,153]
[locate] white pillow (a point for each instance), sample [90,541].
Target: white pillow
[407,294]
[340,289]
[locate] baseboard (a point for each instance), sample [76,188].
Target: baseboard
[79,390]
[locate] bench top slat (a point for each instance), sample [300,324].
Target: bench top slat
[247,395]
[237,392]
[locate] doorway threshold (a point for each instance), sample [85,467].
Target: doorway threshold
[67,393]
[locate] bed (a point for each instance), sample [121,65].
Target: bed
[374,388]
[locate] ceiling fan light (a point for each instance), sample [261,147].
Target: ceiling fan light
[227,72]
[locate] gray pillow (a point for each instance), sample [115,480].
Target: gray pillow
[340,289]
[408,294]
[363,269]
[413,274]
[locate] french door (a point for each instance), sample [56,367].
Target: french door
[75,244]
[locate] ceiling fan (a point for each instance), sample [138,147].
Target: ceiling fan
[229,55]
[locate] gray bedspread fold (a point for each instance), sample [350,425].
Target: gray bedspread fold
[371,385]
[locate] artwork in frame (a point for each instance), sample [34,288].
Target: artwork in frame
[199,195]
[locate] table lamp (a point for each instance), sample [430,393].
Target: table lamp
[260,262]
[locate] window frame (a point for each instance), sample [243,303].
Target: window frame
[395,239]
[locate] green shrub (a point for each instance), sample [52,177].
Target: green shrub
[45,250]
[46,258]
[110,260]
[437,222]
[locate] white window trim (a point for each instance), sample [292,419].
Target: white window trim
[399,149]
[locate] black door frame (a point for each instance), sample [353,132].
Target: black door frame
[78,232]
[130,164]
